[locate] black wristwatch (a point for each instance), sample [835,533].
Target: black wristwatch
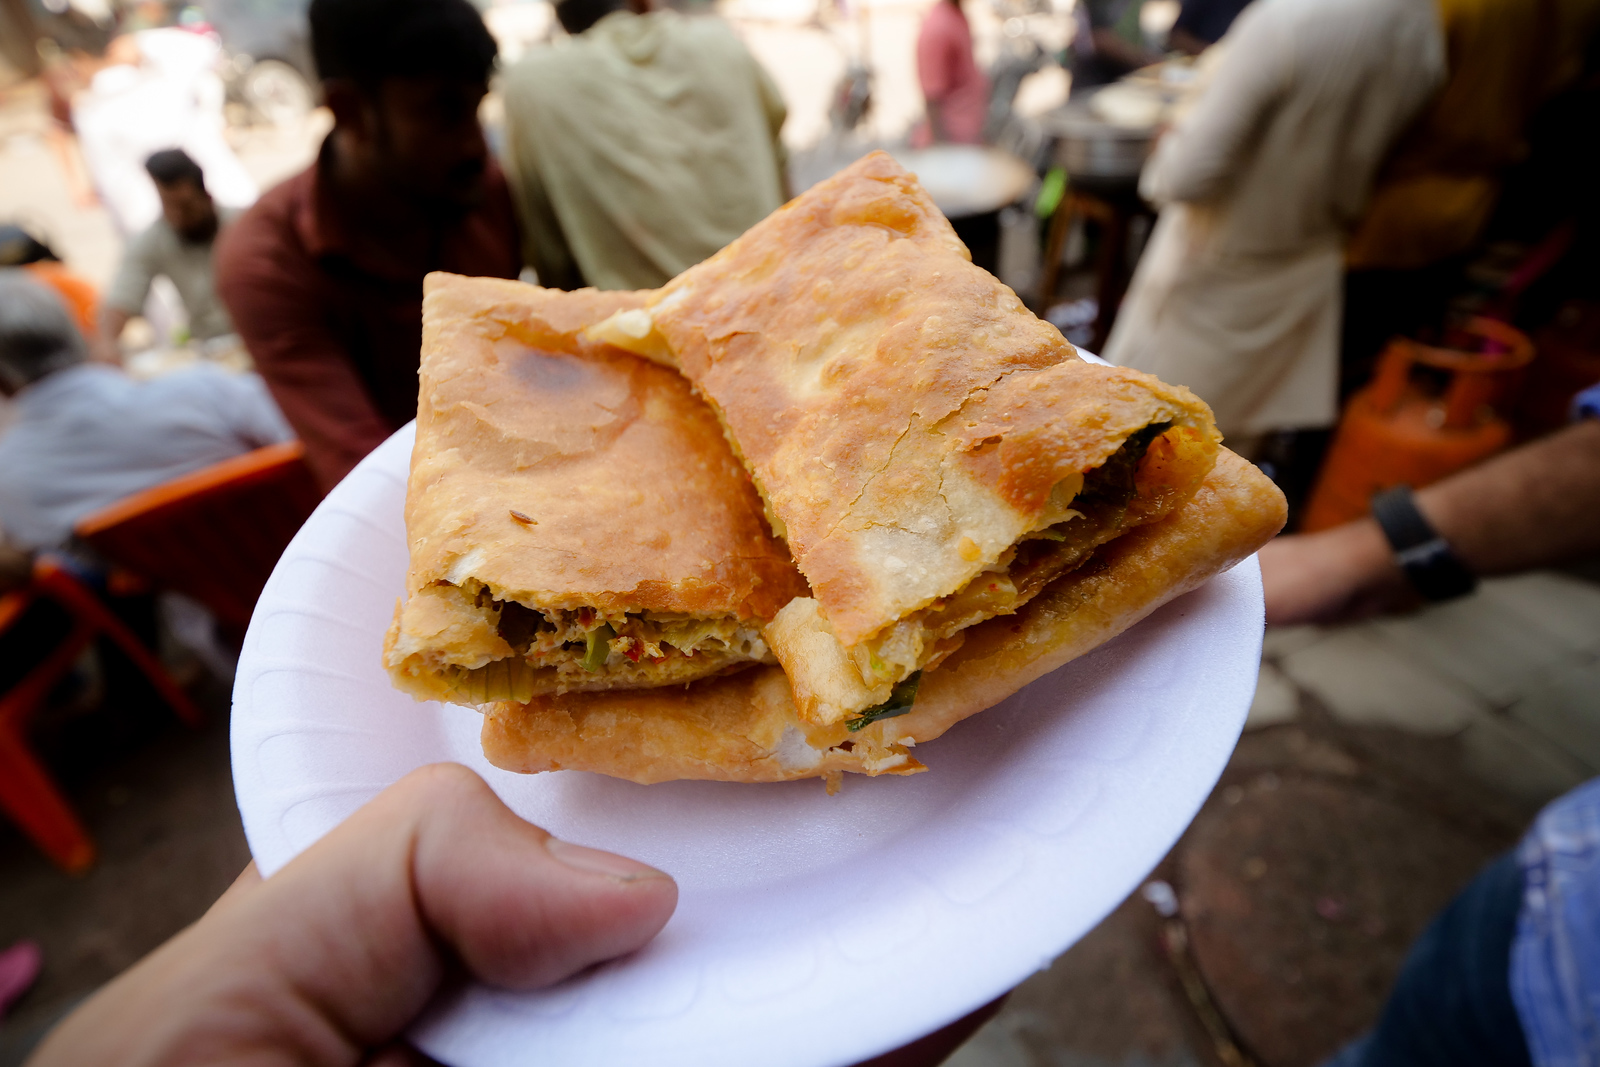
[1426,559]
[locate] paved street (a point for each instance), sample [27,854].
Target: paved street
[1383,764]
[1513,673]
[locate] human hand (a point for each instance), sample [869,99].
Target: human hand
[1335,575]
[329,960]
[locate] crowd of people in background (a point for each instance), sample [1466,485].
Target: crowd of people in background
[1321,194]
[636,148]
[1317,197]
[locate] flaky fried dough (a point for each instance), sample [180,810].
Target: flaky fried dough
[746,729]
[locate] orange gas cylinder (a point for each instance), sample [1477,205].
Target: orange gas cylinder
[1428,413]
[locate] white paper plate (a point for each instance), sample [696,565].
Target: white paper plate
[812,930]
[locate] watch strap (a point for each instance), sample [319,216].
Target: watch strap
[1425,557]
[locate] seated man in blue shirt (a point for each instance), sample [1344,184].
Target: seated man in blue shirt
[83,435]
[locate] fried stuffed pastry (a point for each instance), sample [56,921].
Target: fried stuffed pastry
[932,452]
[576,520]
[746,727]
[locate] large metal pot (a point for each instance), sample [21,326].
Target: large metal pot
[971,183]
[967,179]
[1090,147]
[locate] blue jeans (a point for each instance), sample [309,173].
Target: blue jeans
[1451,1004]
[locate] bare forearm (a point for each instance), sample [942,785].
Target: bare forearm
[1536,506]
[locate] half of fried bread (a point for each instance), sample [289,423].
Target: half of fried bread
[913,429]
[576,520]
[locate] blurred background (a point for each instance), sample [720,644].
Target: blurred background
[1386,759]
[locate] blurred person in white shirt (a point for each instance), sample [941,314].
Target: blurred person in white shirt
[1238,294]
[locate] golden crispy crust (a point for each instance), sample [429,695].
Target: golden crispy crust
[635,501]
[745,728]
[982,478]
[1033,428]
[1236,510]
[871,376]
[741,728]
[562,473]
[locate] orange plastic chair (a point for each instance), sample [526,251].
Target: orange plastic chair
[27,794]
[213,535]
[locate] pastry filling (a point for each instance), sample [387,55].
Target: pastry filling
[1084,512]
[564,650]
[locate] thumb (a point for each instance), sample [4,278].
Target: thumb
[336,953]
[522,909]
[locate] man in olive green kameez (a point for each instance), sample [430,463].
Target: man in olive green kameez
[639,145]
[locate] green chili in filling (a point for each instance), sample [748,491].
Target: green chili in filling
[901,697]
[599,640]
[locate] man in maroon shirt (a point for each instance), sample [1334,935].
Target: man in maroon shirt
[323,276]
